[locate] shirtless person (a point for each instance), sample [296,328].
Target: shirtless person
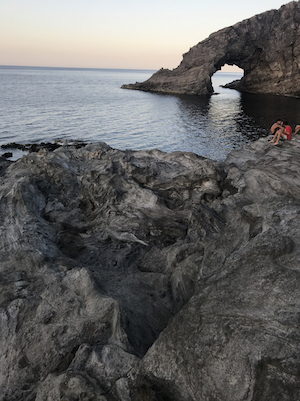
[275,127]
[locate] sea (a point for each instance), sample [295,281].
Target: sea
[40,104]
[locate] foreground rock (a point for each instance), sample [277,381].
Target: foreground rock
[266,47]
[130,276]
[94,243]
[238,337]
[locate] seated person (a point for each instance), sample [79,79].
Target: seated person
[285,133]
[297,129]
[277,125]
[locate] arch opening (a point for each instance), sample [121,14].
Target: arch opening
[231,68]
[227,76]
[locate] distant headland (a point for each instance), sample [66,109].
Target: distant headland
[266,47]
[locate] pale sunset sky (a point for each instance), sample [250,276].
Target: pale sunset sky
[138,34]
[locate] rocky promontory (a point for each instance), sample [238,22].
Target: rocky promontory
[266,47]
[148,276]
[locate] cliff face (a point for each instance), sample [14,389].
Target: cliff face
[129,276]
[266,47]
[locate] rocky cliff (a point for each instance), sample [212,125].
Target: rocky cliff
[142,275]
[266,47]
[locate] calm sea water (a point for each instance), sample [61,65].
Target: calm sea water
[49,104]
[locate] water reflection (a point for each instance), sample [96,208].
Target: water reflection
[265,109]
[213,125]
[46,105]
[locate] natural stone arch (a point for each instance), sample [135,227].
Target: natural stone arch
[266,47]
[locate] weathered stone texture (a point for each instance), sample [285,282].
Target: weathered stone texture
[238,337]
[129,276]
[266,47]
[93,255]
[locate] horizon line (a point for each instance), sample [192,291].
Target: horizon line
[91,68]
[74,68]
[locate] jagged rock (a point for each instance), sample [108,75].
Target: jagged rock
[142,275]
[266,47]
[42,147]
[238,336]
[88,252]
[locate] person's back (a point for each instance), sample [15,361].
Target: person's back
[288,132]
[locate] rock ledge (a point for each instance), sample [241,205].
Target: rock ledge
[142,275]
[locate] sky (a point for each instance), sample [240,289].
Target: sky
[137,34]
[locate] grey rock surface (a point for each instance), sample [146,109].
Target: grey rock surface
[94,248]
[266,47]
[238,336]
[147,276]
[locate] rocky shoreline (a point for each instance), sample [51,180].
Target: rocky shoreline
[35,147]
[142,275]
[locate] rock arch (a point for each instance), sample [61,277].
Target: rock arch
[266,47]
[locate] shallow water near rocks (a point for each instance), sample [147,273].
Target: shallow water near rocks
[48,104]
